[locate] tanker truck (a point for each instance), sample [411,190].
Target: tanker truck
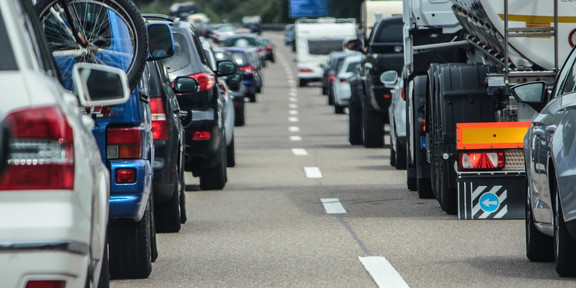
[465,130]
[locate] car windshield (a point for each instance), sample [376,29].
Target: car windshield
[240,41]
[181,57]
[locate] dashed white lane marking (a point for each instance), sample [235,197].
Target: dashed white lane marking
[293,106]
[383,273]
[294,129]
[299,152]
[292,93]
[295,138]
[293,112]
[293,119]
[312,172]
[333,206]
[293,99]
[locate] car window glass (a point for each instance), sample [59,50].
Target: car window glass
[7,61]
[568,84]
[352,66]
[239,58]
[324,46]
[390,33]
[200,50]
[181,57]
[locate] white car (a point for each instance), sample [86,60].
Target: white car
[340,87]
[54,190]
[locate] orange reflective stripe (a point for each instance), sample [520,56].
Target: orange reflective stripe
[491,135]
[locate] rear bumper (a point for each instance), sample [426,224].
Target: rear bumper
[128,201]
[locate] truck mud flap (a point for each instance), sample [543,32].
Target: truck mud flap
[493,196]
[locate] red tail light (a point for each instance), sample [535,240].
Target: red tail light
[201,135]
[305,70]
[386,96]
[481,160]
[125,175]
[269,47]
[124,143]
[246,69]
[343,80]
[46,284]
[403,94]
[423,125]
[42,150]
[331,78]
[260,50]
[206,80]
[159,124]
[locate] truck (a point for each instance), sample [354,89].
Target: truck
[315,40]
[465,130]
[372,11]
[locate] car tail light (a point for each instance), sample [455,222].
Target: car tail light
[42,150]
[159,124]
[247,69]
[46,284]
[403,94]
[124,142]
[201,135]
[125,175]
[260,50]
[481,160]
[386,96]
[343,80]
[205,80]
[270,47]
[423,125]
[305,70]
[331,78]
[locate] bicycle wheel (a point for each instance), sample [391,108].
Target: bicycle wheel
[109,32]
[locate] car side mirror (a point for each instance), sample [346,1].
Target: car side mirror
[389,78]
[160,41]
[99,85]
[185,85]
[226,67]
[355,45]
[531,93]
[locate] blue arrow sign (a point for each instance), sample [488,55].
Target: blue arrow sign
[489,202]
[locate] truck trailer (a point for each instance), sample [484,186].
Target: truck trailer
[465,130]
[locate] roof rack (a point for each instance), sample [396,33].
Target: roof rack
[176,20]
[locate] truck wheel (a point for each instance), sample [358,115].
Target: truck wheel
[231,154]
[564,244]
[215,178]
[372,128]
[411,180]
[130,248]
[167,215]
[539,246]
[424,187]
[354,123]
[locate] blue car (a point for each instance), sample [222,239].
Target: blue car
[248,65]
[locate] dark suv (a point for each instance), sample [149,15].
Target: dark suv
[168,182]
[203,111]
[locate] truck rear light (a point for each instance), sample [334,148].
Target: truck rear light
[159,124]
[423,125]
[41,151]
[46,284]
[201,135]
[124,142]
[125,175]
[205,80]
[481,160]
[343,80]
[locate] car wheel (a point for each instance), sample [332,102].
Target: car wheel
[400,155]
[153,243]
[302,82]
[392,154]
[104,278]
[354,123]
[239,119]
[168,214]
[373,129]
[231,154]
[539,246]
[564,244]
[338,109]
[215,178]
[424,187]
[252,97]
[130,248]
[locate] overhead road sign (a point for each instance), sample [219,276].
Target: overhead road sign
[308,8]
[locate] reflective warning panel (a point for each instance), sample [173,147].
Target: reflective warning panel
[494,196]
[491,135]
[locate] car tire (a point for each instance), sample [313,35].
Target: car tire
[539,246]
[239,119]
[104,277]
[302,82]
[564,244]
[330,95]
[411,180]
[373,129]
[338,109]
[153,243]
[424,187]
[355,123]
[401,160]
[231,154]
[252,97]
[167,215]
[182,193]
[130,248]
[215,178]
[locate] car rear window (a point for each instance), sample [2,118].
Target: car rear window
[352,66]
[390,33]
[324,46]
[240,58]
[7,61]
[240,41]
[181,57]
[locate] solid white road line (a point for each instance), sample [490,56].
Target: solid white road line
[383,273]
[299,152]
[333,206]
[312,172]
[295,138]
[293,119]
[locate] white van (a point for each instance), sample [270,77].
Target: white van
[315,40]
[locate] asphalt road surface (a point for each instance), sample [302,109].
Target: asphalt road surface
[304,208]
